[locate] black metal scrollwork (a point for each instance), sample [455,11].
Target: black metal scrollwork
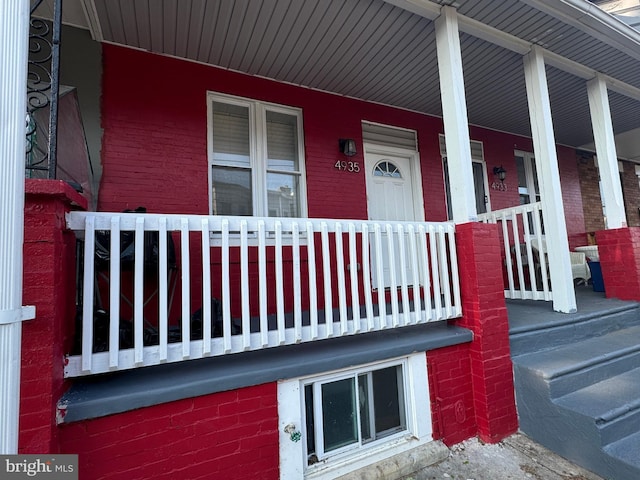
[42,93]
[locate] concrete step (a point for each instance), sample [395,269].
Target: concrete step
[568,368]
[626,453]
[567,427]
[582,399]
[529,334]
[612,404]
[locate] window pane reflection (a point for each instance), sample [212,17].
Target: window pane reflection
[283,195]
[231,191]
[339,414]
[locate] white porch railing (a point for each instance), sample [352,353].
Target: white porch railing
[525,252]
[280,281]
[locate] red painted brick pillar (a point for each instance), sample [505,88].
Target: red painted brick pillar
[49,284]
[485,313]
[619,251]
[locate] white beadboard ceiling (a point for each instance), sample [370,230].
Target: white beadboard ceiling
[373,50]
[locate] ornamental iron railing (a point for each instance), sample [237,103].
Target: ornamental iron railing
[42,93]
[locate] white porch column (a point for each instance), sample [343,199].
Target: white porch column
[14,32]
[606,152]
[544,145]
[454,112]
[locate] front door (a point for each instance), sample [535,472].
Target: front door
[390,196]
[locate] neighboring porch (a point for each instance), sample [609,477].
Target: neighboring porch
[576,379]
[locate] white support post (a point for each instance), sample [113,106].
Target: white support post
[454,113]
[606,152]
[14,33]
[544,145]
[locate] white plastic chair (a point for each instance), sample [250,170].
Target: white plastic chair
[579,268]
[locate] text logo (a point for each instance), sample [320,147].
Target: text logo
[51,467]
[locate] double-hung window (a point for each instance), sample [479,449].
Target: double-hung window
[256,158]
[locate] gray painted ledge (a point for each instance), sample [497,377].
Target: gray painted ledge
[118,392]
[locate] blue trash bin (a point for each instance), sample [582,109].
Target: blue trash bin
[596,276]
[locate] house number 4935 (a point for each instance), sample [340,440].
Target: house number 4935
[347,166]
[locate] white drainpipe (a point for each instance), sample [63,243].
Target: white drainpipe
[14,37]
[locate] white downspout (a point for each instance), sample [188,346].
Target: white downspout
[14,38]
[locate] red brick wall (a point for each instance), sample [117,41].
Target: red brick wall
[451,390]
[571,196]
[154,144]
[155,127]
[498,151]
[485,314]
[589,181]
[631,191]
[155,149]
[230,435]
[619,251]
[49,284]
[471,385]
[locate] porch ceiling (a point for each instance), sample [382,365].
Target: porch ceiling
[376,51]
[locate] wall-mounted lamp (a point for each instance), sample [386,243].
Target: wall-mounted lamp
[500,173]
[348,146]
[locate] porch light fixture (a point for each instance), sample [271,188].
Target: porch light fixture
[500,173]
[348,146]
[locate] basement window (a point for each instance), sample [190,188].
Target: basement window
[350,418]
[346,413]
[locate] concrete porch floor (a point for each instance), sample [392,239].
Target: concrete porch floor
[525,315]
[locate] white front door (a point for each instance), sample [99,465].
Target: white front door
[390,196]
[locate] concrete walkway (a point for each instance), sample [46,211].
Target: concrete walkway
[515,458]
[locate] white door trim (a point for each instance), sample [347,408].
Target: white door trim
[485,180]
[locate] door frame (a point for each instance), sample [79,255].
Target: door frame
[485,181]
[415,174]
[529,162]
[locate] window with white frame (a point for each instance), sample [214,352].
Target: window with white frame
[479,170]
[528,186]
[527,177]
[256,158]
[350,411]
[353,417]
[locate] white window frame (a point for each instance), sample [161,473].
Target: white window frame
[258,150]
[474,159]
[291,413]
[529,161]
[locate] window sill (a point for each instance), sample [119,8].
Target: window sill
[395,459]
